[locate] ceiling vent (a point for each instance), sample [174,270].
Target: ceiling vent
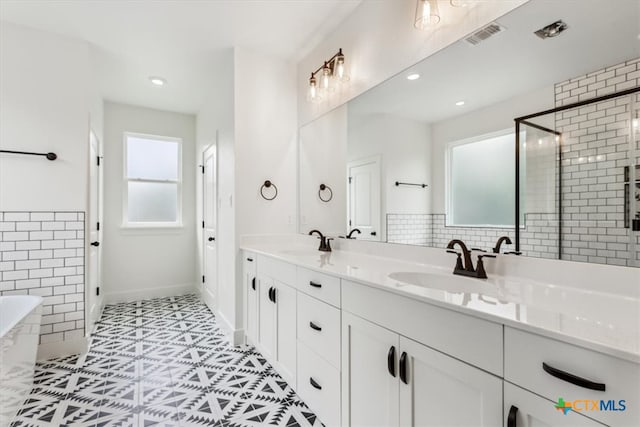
[484,33]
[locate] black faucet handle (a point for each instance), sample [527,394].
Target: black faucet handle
[485,256]
[478,249]
[513,253]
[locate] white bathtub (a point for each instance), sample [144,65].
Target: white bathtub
[19,336]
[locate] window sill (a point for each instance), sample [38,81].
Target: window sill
[140,228]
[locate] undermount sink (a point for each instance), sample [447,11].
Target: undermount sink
[443,282]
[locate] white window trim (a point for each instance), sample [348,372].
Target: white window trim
[449,169]
[125,187]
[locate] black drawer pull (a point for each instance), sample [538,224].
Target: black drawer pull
[314,326]
[253,283]
[391,361]
[511,418]
[573,379]
[315,285]
[273,295]
[315,384]
[250,259]
[403,368]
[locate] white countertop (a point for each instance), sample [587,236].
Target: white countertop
[601,321]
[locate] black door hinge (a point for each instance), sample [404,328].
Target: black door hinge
[350,178]
[202,279]
[98,290]
[202,167]
[98,226]
[202,224]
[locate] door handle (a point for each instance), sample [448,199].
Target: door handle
[511,418]
[211,239]
[95,243]
[391,361]
[403,368]
[253,283]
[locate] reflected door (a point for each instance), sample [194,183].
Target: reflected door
[364,197]
[210,286]
[95,235]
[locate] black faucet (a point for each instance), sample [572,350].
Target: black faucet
[351,232]
[504,239]
[325,245]
[467,269]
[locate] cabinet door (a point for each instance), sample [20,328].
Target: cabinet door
[267,319]
[438,390]
[286,347]
[369,390]
[525,409]
[251,289]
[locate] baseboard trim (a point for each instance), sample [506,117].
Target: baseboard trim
[147,293]
[50,350]
[235,336]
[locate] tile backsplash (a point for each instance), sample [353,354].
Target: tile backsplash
[42,253]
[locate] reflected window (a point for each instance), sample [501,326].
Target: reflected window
[152,181]
[481,180]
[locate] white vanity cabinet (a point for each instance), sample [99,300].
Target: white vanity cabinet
[276,337]
[390,380]
[525,409]
[251,296]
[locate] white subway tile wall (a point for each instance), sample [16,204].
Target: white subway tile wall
[594,152]
[42,253]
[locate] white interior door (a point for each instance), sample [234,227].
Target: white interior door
[95,233]
[364,197]
[210,285]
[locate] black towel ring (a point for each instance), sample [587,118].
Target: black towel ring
[323,188]
[268,184]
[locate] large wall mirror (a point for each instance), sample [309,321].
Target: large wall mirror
[430,154]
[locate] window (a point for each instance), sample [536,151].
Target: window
[481,179]
[152,181]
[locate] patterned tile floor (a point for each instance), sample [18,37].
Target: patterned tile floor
[161,362]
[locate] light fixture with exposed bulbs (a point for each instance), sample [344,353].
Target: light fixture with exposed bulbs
[331,72]
[427,14]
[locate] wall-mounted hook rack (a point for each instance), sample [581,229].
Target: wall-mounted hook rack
[49,156]
[410,184]
[324,187]
[268,184]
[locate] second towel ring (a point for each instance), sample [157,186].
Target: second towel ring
[325,188]
[268,184]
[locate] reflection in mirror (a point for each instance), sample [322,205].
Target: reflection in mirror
[453,129]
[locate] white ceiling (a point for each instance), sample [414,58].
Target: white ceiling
[178,40]
[511,63]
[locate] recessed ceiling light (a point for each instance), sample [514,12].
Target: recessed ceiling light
[460,103]
[158,81]
[414,76]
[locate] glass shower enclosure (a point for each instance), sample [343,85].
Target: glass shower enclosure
[581,195]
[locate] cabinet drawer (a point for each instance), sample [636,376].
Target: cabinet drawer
[319,328]
[249,262]
[526,352]
[325,400]
[281,271]
[321,286]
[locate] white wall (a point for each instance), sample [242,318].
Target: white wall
[323,159]
[379,39]
[480,122]
[45,102]
[141,263]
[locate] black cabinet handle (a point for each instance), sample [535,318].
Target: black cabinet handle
[373,233]
[253,283]
[573,379]
[314,326]
[95,243]
[391,361]
[511,418]
[274,295]
[250,259]
[403,368]
[315,384]
[271,294]
[315,285]
[211,239]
